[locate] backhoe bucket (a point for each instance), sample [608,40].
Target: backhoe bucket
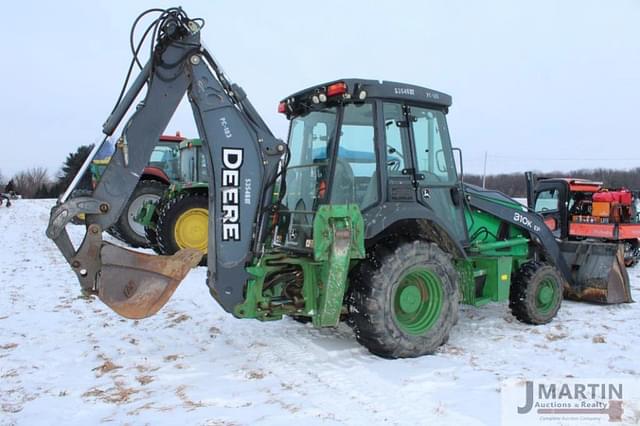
[598,271]
[136,285]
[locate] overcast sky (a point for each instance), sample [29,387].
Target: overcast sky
[543,84]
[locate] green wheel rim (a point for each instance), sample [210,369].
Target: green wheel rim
[547,295]
[418,301]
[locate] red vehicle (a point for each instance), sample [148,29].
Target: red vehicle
[577,209]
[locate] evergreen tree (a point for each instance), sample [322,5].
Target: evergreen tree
[10,186]
[70,168]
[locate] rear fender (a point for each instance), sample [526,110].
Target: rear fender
[393,219]
[155,173]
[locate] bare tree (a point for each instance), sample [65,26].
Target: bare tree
[513,184]
[27,182]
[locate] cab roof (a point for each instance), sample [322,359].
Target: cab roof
[171,138]
[354,87]
[578,185]
[188,143]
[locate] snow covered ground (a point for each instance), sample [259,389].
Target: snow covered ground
[68,360]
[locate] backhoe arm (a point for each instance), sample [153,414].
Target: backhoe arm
[241,152]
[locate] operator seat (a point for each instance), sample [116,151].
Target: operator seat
[344,185]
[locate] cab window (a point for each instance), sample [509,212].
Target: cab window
[356,174]
[433,154]
[395,138]
[165,157]
[547,200]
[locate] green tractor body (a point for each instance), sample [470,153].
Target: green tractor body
[486,273]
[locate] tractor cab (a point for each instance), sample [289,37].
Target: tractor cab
[193,165]
[562,201]
[165,156]
[382,146]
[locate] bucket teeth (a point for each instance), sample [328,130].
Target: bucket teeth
[136,285]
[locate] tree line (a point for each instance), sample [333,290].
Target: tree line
[514,185]
[35,182]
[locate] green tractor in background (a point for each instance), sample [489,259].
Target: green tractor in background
[180,218]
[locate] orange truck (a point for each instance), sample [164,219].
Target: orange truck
[578,209]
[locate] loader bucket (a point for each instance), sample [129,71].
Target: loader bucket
[136,285]
[598,272]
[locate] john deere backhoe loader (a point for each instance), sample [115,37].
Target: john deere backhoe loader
[361,214]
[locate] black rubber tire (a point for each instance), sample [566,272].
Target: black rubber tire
[524,287]
[631,253]
[122,229]
[371,299]
[168,215]
[150,231]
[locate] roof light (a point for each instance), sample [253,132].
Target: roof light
[322,97]
[337,89]
[315,99]
[362,95]
[282,107]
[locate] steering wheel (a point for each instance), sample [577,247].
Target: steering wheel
[392,150]
[394,165]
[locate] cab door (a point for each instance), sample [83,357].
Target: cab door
[397,149]
[436,181]
[550,202]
